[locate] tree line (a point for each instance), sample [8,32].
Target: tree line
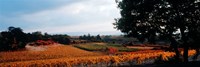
[88,37]
[14,38]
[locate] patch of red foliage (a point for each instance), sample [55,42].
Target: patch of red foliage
[112,50]
[43,42]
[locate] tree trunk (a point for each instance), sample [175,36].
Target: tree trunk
[185,44]
[185,54]
[174,45]
[177,54]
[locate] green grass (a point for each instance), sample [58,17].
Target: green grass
[97,47]
[91,47]
[121,48]
[114,45]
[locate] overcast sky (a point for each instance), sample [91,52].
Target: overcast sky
[73,17]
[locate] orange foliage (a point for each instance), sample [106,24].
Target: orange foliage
[142,51]
[90,60]
[66,60]
[49,52]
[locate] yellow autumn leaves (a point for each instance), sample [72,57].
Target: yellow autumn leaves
[62,56]
[139,57]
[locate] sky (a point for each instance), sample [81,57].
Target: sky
[72,17]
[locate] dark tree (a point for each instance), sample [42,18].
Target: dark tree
[91,38]
[19,36]
[63,39]
[13,39]
[98,38]
[37,35]
[146,19]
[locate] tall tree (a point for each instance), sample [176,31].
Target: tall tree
[149,18]
[19,37]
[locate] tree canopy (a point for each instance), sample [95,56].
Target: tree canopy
[145,19]
[12,39]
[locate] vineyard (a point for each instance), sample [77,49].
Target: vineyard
[70,56]
[99,33]
[103,46]
[48,52]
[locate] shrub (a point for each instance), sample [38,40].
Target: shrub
[112,50]
[42,42]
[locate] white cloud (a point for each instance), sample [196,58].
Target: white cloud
[80,16]
[83,10]
[82,27]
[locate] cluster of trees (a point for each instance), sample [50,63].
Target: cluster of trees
[59,38]
[14,38]
[175,20]
[91,38]
[119,39]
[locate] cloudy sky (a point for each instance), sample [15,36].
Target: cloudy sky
[73,17]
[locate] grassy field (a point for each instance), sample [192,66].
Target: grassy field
[103,47]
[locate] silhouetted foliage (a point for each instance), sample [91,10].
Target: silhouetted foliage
[170,19]
[12,39]
[98,37]
[63,39]
[91,38]
[35,36]
[15,38]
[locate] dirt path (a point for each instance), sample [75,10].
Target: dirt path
[36,48]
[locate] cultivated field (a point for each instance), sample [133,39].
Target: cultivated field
[104,46]
[44,52]
[67,56]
